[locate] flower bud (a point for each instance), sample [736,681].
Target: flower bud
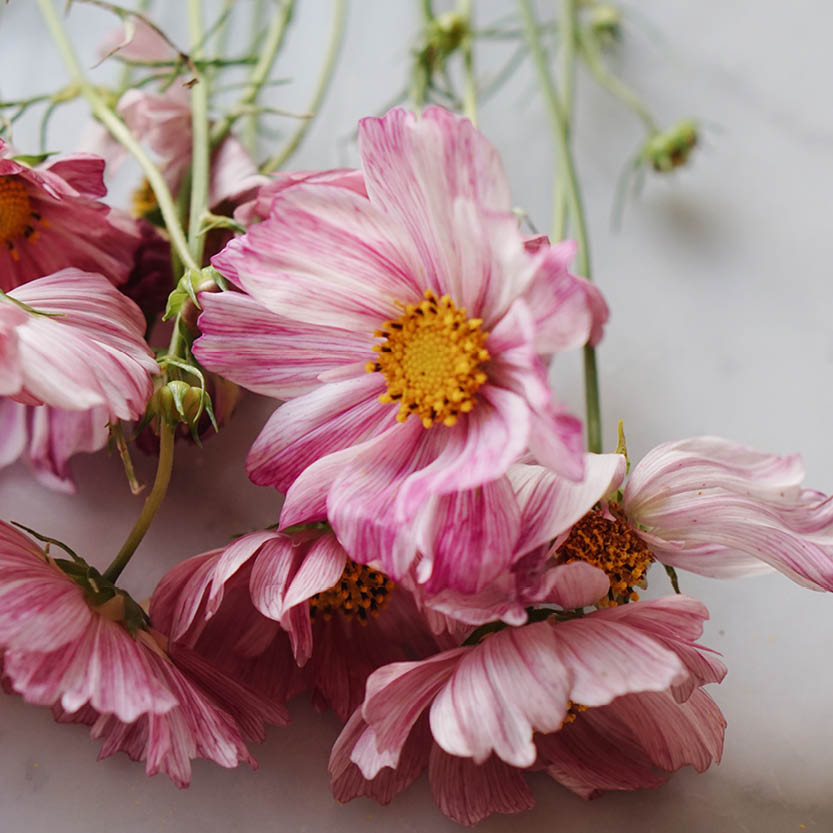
[606,22]
[671,148]
[177,401]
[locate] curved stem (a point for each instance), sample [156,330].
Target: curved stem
[152,503]
[470,88]
[606,79]
[274,41]
[120,132]
[201,153]
[574,201]
[324,78]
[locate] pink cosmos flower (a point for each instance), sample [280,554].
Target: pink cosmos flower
[78,355]
[271,602]
[596,702]
[411,326]
[70,640]
[722,509]
[163,120]
[51,217]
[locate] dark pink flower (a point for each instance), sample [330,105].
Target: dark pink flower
[598,702]
[69,640]
[271,602]
[52,217]
[426,283]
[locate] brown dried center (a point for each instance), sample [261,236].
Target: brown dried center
[361,593]
[16,216]
[609,542]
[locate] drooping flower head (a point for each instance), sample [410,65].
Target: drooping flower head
[714,507]
[598,702]
[72,359]
[291,612]
[70,640]
[412,325]
[52,217]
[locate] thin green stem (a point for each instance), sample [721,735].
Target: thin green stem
[324,78]
[260,73]
[593,58]
[201,154]
[120,132]
[470,83]
[152,503]
[568,75]
[568,172]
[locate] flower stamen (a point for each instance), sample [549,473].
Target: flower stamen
[431,356]
[16,216]
[361,594]
[606,540]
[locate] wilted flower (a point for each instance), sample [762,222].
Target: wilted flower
[51,217]
[412,327]
[71,640]
[271,600]
[72,359]
[723,509]
[597,702]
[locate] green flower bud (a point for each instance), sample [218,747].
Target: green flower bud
[671,149]
[177,401]
[606,22]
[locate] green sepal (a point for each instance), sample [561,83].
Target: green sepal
[32,159]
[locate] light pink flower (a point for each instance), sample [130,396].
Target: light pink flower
[77,345]
[271,600]
[52,217]
[163,120]
[339,284]
[597,702]
[722,509]
[66,642]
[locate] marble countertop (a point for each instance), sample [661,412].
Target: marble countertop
[721,289]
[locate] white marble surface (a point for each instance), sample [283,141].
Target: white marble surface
[720,288]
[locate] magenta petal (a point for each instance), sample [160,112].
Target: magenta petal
[276,560]
[468,792]
[572,586]
[300,432]
[588,760]
[268,354]
[325,256]
[551,504]
[397,694]
[610,658]
[501,691]
[468,538]
[321,569]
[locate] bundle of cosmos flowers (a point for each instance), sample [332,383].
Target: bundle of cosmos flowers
[454,572]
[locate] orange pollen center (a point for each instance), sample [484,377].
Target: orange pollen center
[431,356]
[361,593]
[16,216]
[573,711]
[612,545]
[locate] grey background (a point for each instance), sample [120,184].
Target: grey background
[719,285]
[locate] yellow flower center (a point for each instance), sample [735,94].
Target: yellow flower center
[361,593]
[431,357]
[16,215]
[143,201]
[612,545]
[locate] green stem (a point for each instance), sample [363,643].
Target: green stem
[324,78]
[568,74]
[567,168]
[595,63]
[470,88]
[120,132]
[260,73]
[201,154]
[152,503]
